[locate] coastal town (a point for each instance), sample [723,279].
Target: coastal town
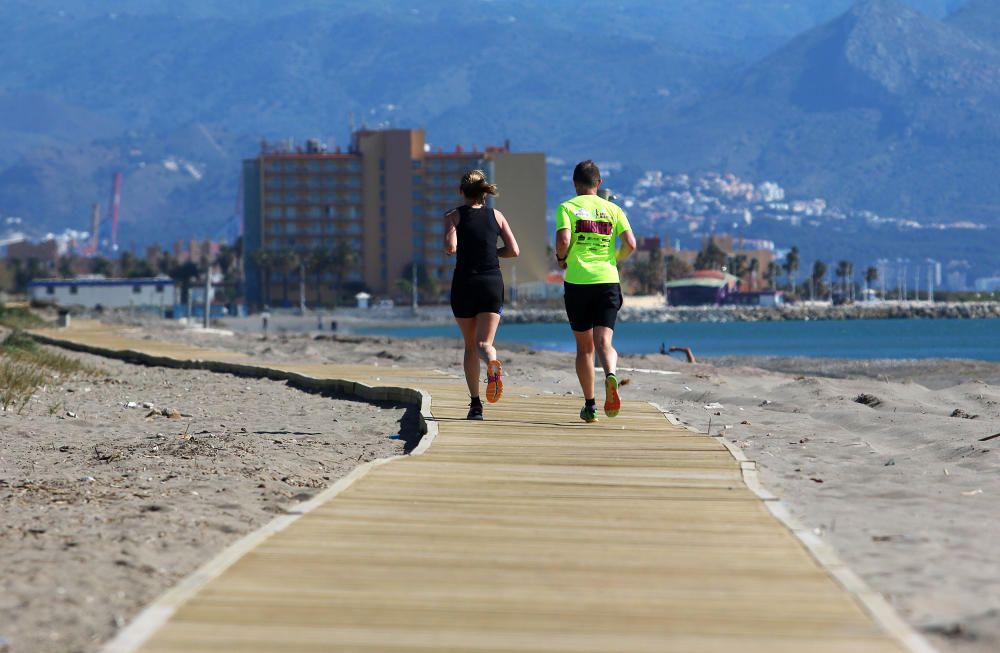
[314,225]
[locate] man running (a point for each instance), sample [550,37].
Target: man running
[586,231]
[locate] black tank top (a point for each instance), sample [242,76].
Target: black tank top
[477,241]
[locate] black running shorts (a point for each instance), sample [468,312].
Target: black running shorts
[593,304]
[472,294]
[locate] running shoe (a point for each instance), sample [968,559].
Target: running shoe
[494,381]
[612,401]
[588,413]
[475,411]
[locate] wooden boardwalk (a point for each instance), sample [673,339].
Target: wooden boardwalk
[531,531]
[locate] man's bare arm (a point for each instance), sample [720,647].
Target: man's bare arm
[563,238]
[627,246]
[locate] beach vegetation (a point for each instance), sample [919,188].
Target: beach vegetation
[16,317]
[26,366]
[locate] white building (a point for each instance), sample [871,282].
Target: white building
[160,292]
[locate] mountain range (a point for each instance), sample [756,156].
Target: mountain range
[883,108]
[878,105]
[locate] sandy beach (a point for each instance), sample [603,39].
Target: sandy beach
[901,488]
[106,506]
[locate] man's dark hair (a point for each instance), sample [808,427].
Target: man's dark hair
[587,174]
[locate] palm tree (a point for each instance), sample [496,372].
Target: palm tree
[845,271]
[319,260]
[871,276]
[264,261]
[183,274]
[126,265]
[345,259]
[65,267]
[817,276]
[791,266]
[100,265]
[711,257]
[754,269]
[285,260]
[771,276]
[738,266]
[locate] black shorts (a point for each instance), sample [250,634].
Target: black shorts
[592,304]
[472,294]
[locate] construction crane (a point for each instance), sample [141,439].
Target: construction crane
[89,249]
[106,245]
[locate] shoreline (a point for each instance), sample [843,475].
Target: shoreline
[637,309]
[806,311]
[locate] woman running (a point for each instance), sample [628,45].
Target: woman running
[471,232]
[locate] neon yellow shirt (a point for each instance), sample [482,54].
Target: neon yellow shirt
[594,225]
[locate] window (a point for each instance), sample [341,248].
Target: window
[381,164]
[159,289]
[292,212]
[314,212]
[74,290]
[50,290]
[136,289]
[273,212]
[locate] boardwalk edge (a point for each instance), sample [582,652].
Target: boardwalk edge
[822,552]
[156,614]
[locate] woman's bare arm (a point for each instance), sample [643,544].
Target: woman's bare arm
[450,234]
[510,248]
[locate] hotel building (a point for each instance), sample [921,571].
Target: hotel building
[384,199]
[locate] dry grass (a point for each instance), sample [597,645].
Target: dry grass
[25,366]
[18,381]
[15,317]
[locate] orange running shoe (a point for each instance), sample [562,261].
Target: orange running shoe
[494,381]
[612,400]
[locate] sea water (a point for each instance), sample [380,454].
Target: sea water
[901,338]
